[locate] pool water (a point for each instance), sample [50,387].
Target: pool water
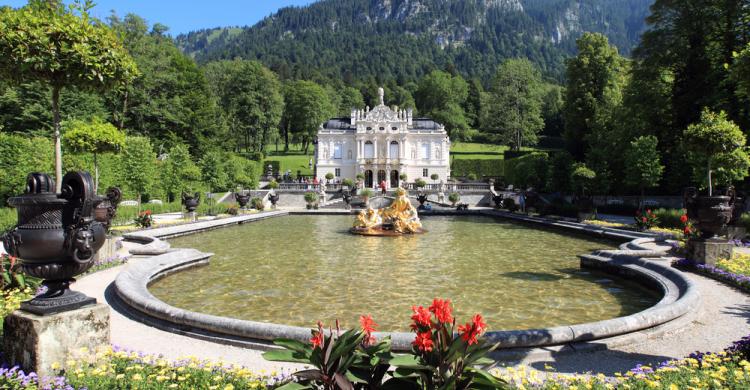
[296,270]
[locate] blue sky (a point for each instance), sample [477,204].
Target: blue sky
[187,15]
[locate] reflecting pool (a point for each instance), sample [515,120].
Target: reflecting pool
[296,270]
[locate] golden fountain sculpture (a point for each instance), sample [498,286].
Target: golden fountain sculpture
[397,219]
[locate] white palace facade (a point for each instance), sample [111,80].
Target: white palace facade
[382,143]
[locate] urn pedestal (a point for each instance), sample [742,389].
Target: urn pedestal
[709,251]
[37,343]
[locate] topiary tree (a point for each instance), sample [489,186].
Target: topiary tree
[360,176]
[454,197]
[420,183]
[62,46]
[329,176]
[403,177]
[716,145]
[434,177]
[138,162]
[643,168]
[581,177]
[95,137]
[347,182]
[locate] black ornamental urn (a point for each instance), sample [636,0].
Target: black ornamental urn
[106,207]
[273,198]
[421,198]
[191,202]
[347,200]
[242,199]
[498,200]
[56,238]
[711,213]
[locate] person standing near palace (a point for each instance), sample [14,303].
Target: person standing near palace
[382,186]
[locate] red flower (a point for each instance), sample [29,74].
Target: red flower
[686,231]
[442,310]
[423,341]
[648,211]
[421,318]
[471,331]
[684,218]
[644,220]
[148,212]
[317,339]
[367,323]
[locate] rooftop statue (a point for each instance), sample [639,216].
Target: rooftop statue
[399,218]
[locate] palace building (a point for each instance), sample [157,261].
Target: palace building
[382,143]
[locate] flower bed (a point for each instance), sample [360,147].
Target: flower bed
[734,271]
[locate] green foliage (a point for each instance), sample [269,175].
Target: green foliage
[20,156]
[581,177]
[127,214]
[717,147]
[669,218]
[513,108]
[441,97]
[454,197]
[592,90]
[361,176]
[480,168]
[510,204]
[643,168]
[420,183]
[8,219]
[347,182]
[530,170]
[311,197]
[213,171]
[143,220]
[251,98]
[365,193]
[561,168]
[307,106]
[138,165]
[329,176]
[433,177]
[350,98]
[94,136]
[273,184]
[257,203]
[179,173]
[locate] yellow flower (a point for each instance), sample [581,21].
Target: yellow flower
[229,387]
[173,386]
[137,377]
[672,386]
[120,376]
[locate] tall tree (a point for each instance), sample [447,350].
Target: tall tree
[442,97]
[94,136]
[351,98]
[139,164]
[307,107]
[593,83]
[251,97]
[643,168]
[63,47]
[473,105]
[179,173]
[514,106]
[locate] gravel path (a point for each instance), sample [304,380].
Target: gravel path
[723,317]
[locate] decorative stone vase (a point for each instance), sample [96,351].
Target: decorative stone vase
[191,202]
[241,199]
[56,237]
[711,213]
[273,198]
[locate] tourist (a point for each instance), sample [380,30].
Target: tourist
[522,201]
[382,187]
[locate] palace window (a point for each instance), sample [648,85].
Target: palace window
[338,172]
[425,172]
[394,149]
[337,151]
[382,128]
[425,151]
[369,150]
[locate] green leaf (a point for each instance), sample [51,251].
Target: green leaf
[285,355]
[294,345]
[295,386]
[408,361]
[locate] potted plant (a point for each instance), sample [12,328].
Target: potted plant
[365,194]
[403,177]
[581,178]
[242,198]
[311,198]
[273,185]
[419,183]
[329,177]
[718,154]
[435,177]
[454,197]
[348,183]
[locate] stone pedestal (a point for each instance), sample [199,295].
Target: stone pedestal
[709,251]
[37,342]
[190,216]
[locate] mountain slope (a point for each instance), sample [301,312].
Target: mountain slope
[403,39]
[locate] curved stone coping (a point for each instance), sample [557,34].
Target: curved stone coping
[151,238]
[679,297]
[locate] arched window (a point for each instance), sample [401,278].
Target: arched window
[337,151]
[393,152]
[369,150]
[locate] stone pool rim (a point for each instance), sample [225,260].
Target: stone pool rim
[680,295]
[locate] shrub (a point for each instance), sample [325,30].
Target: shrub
[232,209]
[454,197]
[645,221]
[435,176]
[311,197]
[479,167]
[402,177]
[8,219]
[365,193]
[256,156]
[669,218]
[257,203]
[347,182]
[12,276]
[329,176]
[273,184]
[530,170]
[510,204]
[472,176]
[420,183]
[144,219]
[361,176]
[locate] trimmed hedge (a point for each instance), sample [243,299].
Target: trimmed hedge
[530,170]
[481,168]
